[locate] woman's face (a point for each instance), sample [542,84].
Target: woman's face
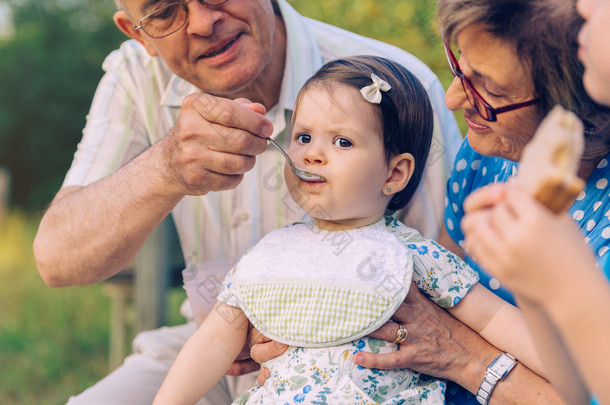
[594,51]
[493,67]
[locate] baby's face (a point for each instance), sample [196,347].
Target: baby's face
[337,134]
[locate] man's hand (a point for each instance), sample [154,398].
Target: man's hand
[214,142]
[261,349]
[212,145]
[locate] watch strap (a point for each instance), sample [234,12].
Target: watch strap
[492,377]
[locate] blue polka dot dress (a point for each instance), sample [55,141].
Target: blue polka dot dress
[471,171]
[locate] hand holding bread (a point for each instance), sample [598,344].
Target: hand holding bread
[550,161]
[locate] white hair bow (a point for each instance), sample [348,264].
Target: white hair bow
[372,93]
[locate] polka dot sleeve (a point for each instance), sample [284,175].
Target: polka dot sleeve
[591,210]
[470,172]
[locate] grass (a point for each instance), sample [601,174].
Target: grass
[53,342]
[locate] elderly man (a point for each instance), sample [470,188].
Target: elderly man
[178,125]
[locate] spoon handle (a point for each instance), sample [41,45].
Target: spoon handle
[278,147]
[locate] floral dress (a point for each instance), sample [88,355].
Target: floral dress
[322,292]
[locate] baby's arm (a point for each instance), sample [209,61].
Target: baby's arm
[500,323]
[205,357]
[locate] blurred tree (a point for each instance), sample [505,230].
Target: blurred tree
[408,24]
[49,69]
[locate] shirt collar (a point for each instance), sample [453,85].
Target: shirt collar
[303,59]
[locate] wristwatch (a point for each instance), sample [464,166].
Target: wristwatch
[496,371]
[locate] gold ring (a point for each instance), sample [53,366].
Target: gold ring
[401,334]
[252,348]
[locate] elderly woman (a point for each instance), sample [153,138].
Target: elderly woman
[542,258]
[513,60]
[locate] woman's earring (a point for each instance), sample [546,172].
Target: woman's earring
[389,189]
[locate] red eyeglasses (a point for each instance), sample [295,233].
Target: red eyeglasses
[482,107]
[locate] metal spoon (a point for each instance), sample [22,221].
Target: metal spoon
[300,173]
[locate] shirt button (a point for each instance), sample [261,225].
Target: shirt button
[239,217]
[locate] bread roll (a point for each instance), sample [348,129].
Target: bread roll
[550,161]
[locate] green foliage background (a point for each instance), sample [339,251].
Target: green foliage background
[50,67]
[49,70]
[408,24]
[54,342]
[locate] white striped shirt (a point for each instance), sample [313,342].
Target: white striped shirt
[138,101]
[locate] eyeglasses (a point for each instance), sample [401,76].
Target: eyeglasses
[482,107]
[169,18]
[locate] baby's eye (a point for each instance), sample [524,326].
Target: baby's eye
[343,142]
[303,138]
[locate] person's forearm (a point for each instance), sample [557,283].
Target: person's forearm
[521,386]
[205,357]
[557,363]
[91,233]
[584,322]
[441,346]
[500,323]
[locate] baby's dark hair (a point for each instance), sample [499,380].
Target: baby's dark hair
[405,112]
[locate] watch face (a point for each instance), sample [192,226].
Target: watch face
[505,362]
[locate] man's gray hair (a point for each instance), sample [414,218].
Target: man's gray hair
[276,8]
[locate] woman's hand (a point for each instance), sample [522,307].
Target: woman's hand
[260,349]
[437,344]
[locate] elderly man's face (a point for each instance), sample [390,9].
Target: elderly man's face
[222,50]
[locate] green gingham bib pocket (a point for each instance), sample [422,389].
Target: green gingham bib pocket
[304,286]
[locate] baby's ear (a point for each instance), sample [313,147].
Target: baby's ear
[123,22]
[400,171]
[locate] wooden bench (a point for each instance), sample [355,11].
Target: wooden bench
[5,190]
[138,293]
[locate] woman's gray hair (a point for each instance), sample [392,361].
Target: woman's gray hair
[544,34]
